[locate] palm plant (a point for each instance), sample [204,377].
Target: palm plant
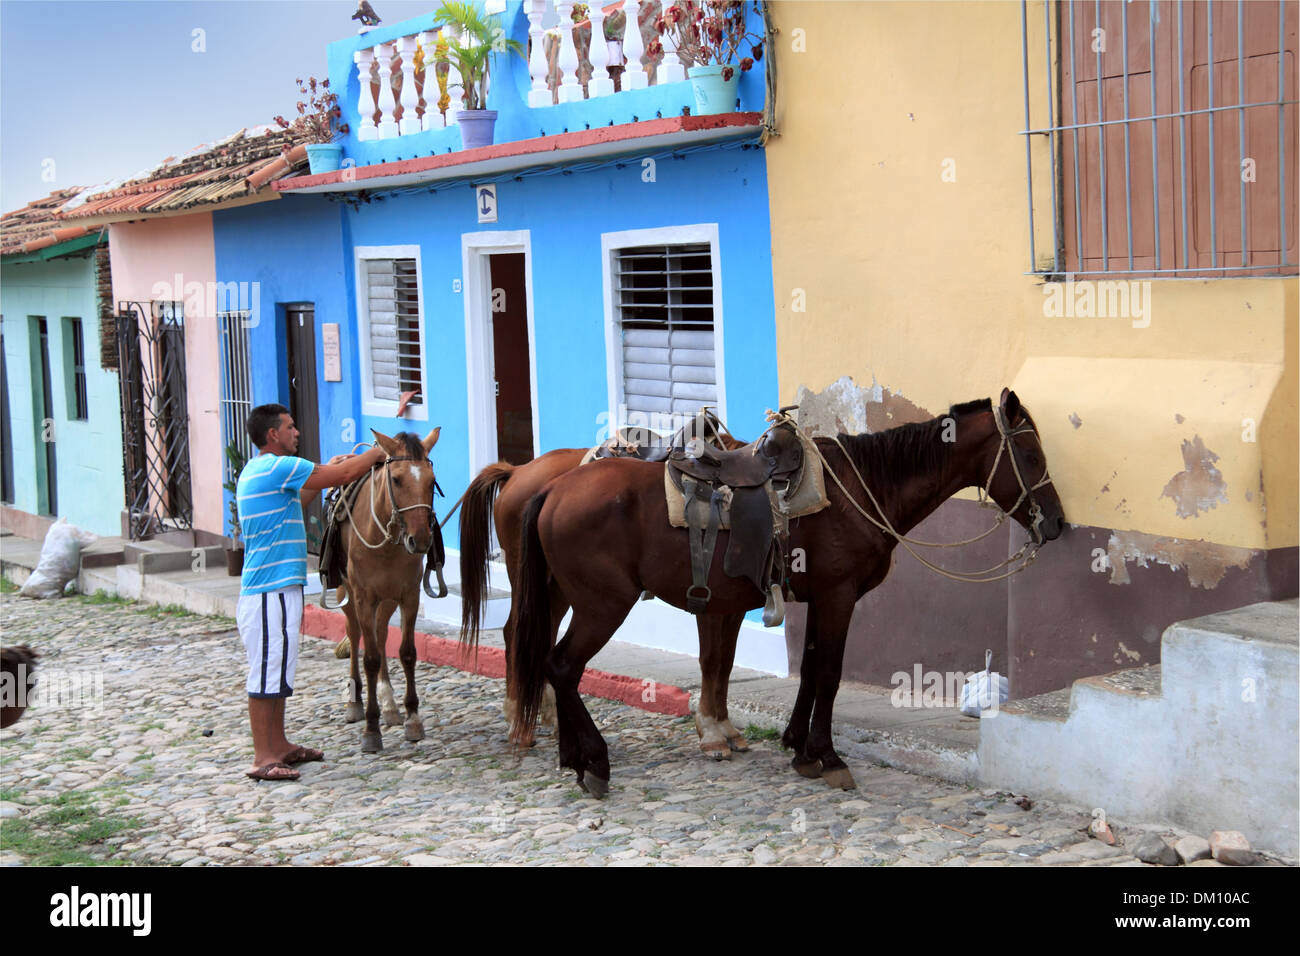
[480,37]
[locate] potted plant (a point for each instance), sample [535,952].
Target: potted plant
[235,550]
[317,114]
[477,37]
[710,33]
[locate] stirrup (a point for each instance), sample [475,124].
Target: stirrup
[774,608]
[325,590]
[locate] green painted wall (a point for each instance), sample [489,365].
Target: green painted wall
[89,452]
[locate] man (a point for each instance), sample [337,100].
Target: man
[275,570]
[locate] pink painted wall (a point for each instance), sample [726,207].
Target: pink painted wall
[150,260]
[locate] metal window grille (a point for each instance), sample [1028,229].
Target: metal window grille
[78,371]
[664,300]
[236,386]
[396,352]
[1171,135]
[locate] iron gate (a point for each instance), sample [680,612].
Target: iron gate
[155,421]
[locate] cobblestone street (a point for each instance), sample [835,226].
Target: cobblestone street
[155,775]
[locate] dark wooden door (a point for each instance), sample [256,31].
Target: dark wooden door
[6,445]
[47,477]
[514,406]
[301,339]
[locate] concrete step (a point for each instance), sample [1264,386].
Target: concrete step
[1205,740]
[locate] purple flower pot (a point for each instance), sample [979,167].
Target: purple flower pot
[476,127]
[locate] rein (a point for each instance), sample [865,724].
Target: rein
[973,577]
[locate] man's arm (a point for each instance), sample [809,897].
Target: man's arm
[343,472]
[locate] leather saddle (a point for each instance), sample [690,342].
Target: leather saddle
[646,445]
[333,559]
[752,483]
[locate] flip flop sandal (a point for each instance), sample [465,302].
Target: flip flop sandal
[268,772]
[304,755]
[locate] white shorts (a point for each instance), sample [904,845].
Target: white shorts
[269,625]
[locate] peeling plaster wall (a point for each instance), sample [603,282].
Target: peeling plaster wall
[1172,435]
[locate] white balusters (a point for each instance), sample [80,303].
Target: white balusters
[430,96]
[570,88]
[365,60]
[674,72]
[455,86]
[410,122]
[387,105]
[600,83]
[635,76]
[540,94]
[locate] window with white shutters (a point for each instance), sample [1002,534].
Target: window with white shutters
[393,302]
[663,299]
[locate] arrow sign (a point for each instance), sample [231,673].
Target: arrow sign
[485,201]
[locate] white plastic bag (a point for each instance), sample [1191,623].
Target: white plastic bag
[984,692]
[60,560]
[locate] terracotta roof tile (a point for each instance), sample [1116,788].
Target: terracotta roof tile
[205,176]
[36,226]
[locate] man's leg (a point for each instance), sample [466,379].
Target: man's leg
[266,717]
[256,619]
[293,602]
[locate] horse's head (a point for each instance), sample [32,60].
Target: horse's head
[1014,471]
[410,483]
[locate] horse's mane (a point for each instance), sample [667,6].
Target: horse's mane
[897,454]
[412,445]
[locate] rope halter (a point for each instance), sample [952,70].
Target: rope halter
[392,529]
[1036,515]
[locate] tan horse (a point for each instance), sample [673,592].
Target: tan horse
[389,532]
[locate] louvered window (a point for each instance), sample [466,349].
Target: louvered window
[396,354]
[664,303]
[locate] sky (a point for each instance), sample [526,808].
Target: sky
[94,90]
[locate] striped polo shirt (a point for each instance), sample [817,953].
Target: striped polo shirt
[270,518]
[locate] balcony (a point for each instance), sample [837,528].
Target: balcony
[567,84]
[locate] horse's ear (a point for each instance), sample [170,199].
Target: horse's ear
[431,439]
[1010,404]
[391,448]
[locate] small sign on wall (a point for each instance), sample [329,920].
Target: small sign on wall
[333,364]
[485,202]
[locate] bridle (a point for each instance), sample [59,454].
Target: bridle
[392,529]
[986,575]
[1017,467]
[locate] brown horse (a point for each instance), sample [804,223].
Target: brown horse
[500,492]
[17,664]
[389,532]
[567,548]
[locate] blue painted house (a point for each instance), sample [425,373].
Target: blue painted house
[605,261]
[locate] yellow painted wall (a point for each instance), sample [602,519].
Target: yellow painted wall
[918,283]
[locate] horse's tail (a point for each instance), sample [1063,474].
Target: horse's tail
[476,545]
[532,623]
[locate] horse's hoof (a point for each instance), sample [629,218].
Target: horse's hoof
[354,713]
[343,649]
[414,730]
[840,777]
[812,769]
[594,785]
[372,743]
[392,718]
[739,744]
[717,749]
